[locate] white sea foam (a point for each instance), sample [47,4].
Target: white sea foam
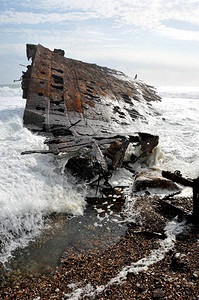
[187,92]
[177,126]
[10,91]
[171,230]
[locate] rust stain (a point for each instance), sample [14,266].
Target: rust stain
[90,103]
[70,91]
[42,92]
[75,105]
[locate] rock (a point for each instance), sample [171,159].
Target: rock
[153,180]
[141,288]
[158,293]
[179,263]
[195,276]
[23,285]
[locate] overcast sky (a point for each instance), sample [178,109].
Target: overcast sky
[156,39]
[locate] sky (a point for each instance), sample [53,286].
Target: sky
[156,39]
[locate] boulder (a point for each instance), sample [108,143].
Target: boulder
[153,180]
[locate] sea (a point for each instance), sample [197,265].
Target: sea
[32,187]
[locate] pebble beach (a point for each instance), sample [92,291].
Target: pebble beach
[143,264]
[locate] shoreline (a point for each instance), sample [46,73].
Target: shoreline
[98,275]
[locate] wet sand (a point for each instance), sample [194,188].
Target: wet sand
[94,275]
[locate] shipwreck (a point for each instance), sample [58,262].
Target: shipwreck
[85,110]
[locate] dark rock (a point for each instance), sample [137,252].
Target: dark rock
[83,167]
[59,51]
[150,234]
[178,263]
[195,276]
[147,193]
[158,294]
[148,142]
[141,288]
[23,285]
[130,275]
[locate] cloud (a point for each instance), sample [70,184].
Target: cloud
[146,14]
[80,37]
[185,35]
[35,18]
[10,48]
[152,59]
[130,11]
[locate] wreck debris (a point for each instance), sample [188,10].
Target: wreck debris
[171,209]
[79,106]
[116,152]
[177,177]
[148,143]
[196,197]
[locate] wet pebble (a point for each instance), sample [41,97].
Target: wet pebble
[158,294]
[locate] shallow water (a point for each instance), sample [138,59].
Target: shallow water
[99,228]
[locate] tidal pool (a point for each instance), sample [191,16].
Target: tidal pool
[99,228]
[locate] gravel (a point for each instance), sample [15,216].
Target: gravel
[148,262]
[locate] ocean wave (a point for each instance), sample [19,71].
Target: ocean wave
[10,90]
[31,187]
[179,92]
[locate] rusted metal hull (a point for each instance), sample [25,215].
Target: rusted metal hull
[81,108]
[69,97]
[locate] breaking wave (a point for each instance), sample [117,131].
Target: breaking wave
[31,186]
[179,92]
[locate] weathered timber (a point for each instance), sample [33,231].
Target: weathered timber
[148,142]
[83,109]
[196,198]
[173,210]
[36,151]
[177,178]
